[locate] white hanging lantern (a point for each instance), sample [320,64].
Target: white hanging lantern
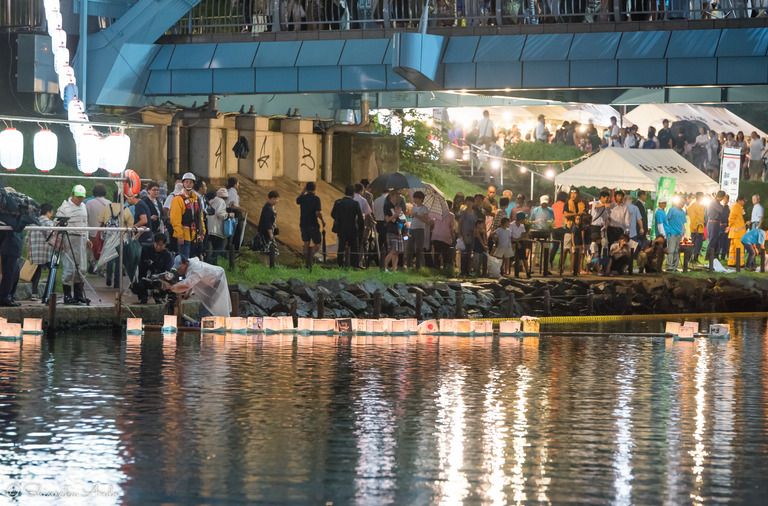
[117,148]
[88,152]
[46,147]
[76,112]
[51,4]
[60,58]
[58,38]
[54,21]
[67,76]
[11,148]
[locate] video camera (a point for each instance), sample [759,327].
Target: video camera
[155,281]
[62,220]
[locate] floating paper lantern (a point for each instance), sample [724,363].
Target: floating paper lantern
[46,147]
[117,148]
[11,148]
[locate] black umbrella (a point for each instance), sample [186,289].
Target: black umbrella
[396,180]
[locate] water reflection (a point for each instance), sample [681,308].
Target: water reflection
[377,420]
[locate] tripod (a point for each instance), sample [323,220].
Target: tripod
[58,251]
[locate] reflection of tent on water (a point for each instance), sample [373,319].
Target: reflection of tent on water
[718,119]
[632,169]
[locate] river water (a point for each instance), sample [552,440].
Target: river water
[96,419]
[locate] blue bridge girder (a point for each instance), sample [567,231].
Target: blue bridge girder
[665,61]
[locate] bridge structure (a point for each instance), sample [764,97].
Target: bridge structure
[322,56]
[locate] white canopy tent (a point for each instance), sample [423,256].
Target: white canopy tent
[637,169]
[524,115]
[718,119]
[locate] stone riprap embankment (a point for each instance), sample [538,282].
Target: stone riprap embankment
[506,297]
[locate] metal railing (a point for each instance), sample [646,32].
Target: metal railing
[229,16]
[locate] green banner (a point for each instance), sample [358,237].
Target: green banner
[666,189]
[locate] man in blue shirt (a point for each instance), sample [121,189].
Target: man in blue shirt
[660,218]
[752,242]
[676,224]
[542,214]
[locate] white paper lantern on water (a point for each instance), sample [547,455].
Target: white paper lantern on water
[88,151]
[46,147]
[11,148]
[117,149]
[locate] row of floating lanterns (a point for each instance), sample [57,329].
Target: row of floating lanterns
[93,150]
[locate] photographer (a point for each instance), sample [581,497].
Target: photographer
[73,213]
[155,259]
[208,282]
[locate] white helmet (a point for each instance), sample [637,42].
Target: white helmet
[188,175]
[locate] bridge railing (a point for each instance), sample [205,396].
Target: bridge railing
[229,16]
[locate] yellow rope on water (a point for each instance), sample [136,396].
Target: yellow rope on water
[614,318]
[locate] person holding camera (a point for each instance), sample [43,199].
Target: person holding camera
[155,259]
[73,213]
[208,282]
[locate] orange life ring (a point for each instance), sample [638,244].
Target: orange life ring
[132,186]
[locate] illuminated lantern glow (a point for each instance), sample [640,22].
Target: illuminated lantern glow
[46,147]
[58,38]
[65,78]
[88,151]
[11,148]
[60,58]
[117,149]
[76,112]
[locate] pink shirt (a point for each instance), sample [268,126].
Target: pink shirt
[443,228]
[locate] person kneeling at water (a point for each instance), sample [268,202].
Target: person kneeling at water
[208,282]
[155,259]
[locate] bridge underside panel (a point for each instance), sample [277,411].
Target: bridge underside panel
[595,67]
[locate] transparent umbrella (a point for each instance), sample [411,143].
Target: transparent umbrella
[434,200]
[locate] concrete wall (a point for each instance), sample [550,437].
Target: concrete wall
[302,150]
[360,155]
[265,158]
[149,146]
[210,147]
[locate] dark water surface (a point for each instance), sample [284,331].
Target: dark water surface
[93,419]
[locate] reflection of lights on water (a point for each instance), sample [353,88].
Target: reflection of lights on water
[453,485]
[698,454]
[494,439]
[622,460]
[520,434]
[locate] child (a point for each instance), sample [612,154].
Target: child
[479,245]
[503,237]
[598,263]
[517,229]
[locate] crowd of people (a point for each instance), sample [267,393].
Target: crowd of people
[702,147]
[513,235]
[191,222]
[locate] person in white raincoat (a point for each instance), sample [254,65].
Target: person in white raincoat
[208,282]
[75,210]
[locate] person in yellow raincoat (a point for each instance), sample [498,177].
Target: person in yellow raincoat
[736,229]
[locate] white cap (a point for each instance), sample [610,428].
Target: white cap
[662,199]
[78,191]
[544,198]
[188,175]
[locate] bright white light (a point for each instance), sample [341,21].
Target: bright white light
[675,199]
[706,201]
[465,155]
[495,164]
[583,128]
[550,174]
[522,170]
[507,116]
[116,149]
[430,122]
[11,148]
[46,148]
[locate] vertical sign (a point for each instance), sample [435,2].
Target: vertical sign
[666,189]
[729,172]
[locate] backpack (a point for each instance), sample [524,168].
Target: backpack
[649,144]
[112,222]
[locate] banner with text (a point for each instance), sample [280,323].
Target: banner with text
[730,171]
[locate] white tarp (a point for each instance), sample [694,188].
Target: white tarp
[718,119]
[637,169]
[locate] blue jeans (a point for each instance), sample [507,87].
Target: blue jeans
[185,248]
[713,232]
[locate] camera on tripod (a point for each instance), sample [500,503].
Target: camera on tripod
[155,281]
[62,220]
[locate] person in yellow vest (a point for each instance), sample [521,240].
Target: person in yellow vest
[187,218]
[736,229]
[696,217]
